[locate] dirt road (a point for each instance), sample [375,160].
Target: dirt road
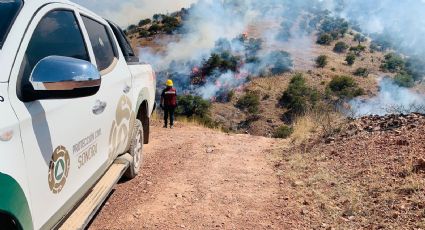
[196,178]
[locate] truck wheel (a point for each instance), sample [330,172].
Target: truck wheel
[136,151]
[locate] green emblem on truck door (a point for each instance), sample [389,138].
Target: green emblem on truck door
[58,169]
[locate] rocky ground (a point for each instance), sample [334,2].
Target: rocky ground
[371,175]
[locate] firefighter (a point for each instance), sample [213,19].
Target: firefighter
[169,103]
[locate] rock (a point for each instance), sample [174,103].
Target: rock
[209,150]
[149,183]
[419,166]
[403,142]
[297,183]
[329,140]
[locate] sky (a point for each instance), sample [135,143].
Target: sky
[126,12]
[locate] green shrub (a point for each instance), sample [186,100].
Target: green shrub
[350,59]
[340,47]
[281,63]
[193,106]
[358,50]
[322,61]
[298,97]
[415,66]
[283,132]
[230,95]
[249,102]
[381,43]
[155,28]
[393,63]
[221,63]
[144,33]
[324,39]
[345,87]
[197,108]
[361,72]
[404,80]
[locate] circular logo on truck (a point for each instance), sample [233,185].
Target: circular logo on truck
[59,169]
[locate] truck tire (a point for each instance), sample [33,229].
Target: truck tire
[136,151]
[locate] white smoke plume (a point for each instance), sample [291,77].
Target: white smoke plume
[390,99]
[129,12]
[399,22]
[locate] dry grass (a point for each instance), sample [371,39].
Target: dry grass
[323,121]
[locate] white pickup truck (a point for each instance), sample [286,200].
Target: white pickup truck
[75,105]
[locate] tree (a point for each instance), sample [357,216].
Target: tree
[350,59]
[131,27]
[336,26]
[158,17]
[324,39]
[322,61]
[360,38]
[145,22]
[340,47]
[171,22]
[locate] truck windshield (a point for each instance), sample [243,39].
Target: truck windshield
[8,11]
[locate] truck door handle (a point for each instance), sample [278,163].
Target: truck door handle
[126,89]
[99,107]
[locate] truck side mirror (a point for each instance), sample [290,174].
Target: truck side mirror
[57,77]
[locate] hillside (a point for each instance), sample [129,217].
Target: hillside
[262,67]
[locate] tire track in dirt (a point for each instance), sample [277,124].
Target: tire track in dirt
[196,178]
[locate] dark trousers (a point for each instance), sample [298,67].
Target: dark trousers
[169,113]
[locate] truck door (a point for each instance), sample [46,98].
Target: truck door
[116,84]
[66,141]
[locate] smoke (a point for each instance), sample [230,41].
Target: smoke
[129,12]
[244,33]
[401,21]
[390,99]
[282,25]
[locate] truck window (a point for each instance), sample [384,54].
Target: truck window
[8,11]
[58,33]
[124,44]
[101,42]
